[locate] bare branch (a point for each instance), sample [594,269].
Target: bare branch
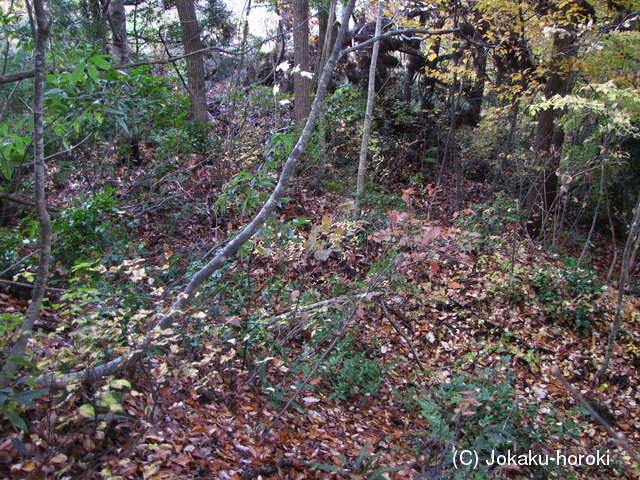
[396,33]
[618,438]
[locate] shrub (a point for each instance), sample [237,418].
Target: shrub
[570,293]
[483,414]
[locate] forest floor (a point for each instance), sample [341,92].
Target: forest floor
[446,323]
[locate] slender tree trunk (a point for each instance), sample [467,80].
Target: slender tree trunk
[624,277]
[301,80]
[506,147]
[325,41]
[195,65]
[371,95]
[117,17]
[104,15]
[33,311]
[327,45]
[595,213]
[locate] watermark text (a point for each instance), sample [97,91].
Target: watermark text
[470,458]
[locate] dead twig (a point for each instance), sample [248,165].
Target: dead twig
[619,438]
[30,285]
[401,333]
[351,319]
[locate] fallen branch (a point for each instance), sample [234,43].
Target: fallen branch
[23,201]
[31,285]
[350,321]
[396,327]
[618,438]
[321,304]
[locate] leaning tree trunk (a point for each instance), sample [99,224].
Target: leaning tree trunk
[301,81]
[371,95]
[33,311]
[195,66]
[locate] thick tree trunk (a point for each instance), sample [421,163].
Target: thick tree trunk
[195,66]
[33,311]
[475,94]
[301,81]
[118,23]
[549,139]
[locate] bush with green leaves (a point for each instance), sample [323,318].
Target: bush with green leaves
[248,190]
[345,114]
[14,402]
[570,293]
[353,370]
[481,413]
[492,218]
[380,202]
[186,137]
[89,226]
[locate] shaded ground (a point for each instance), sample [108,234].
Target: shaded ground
[462,318]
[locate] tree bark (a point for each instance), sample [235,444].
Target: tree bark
[195,66]
[549,139]
[118,23]
[371,95]
[117,17]
[301,81]
[19,349]
[327,40]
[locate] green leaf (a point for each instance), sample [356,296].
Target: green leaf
[19,446]
[120,122]
[87,411]
[120,383]
[362,455]
[93,71]
[14,418]
[24,398]
[76,74]
[322,254]
[328,468]
[377,473]
[53,92]
[7,170]
[100,62]
[20,360]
